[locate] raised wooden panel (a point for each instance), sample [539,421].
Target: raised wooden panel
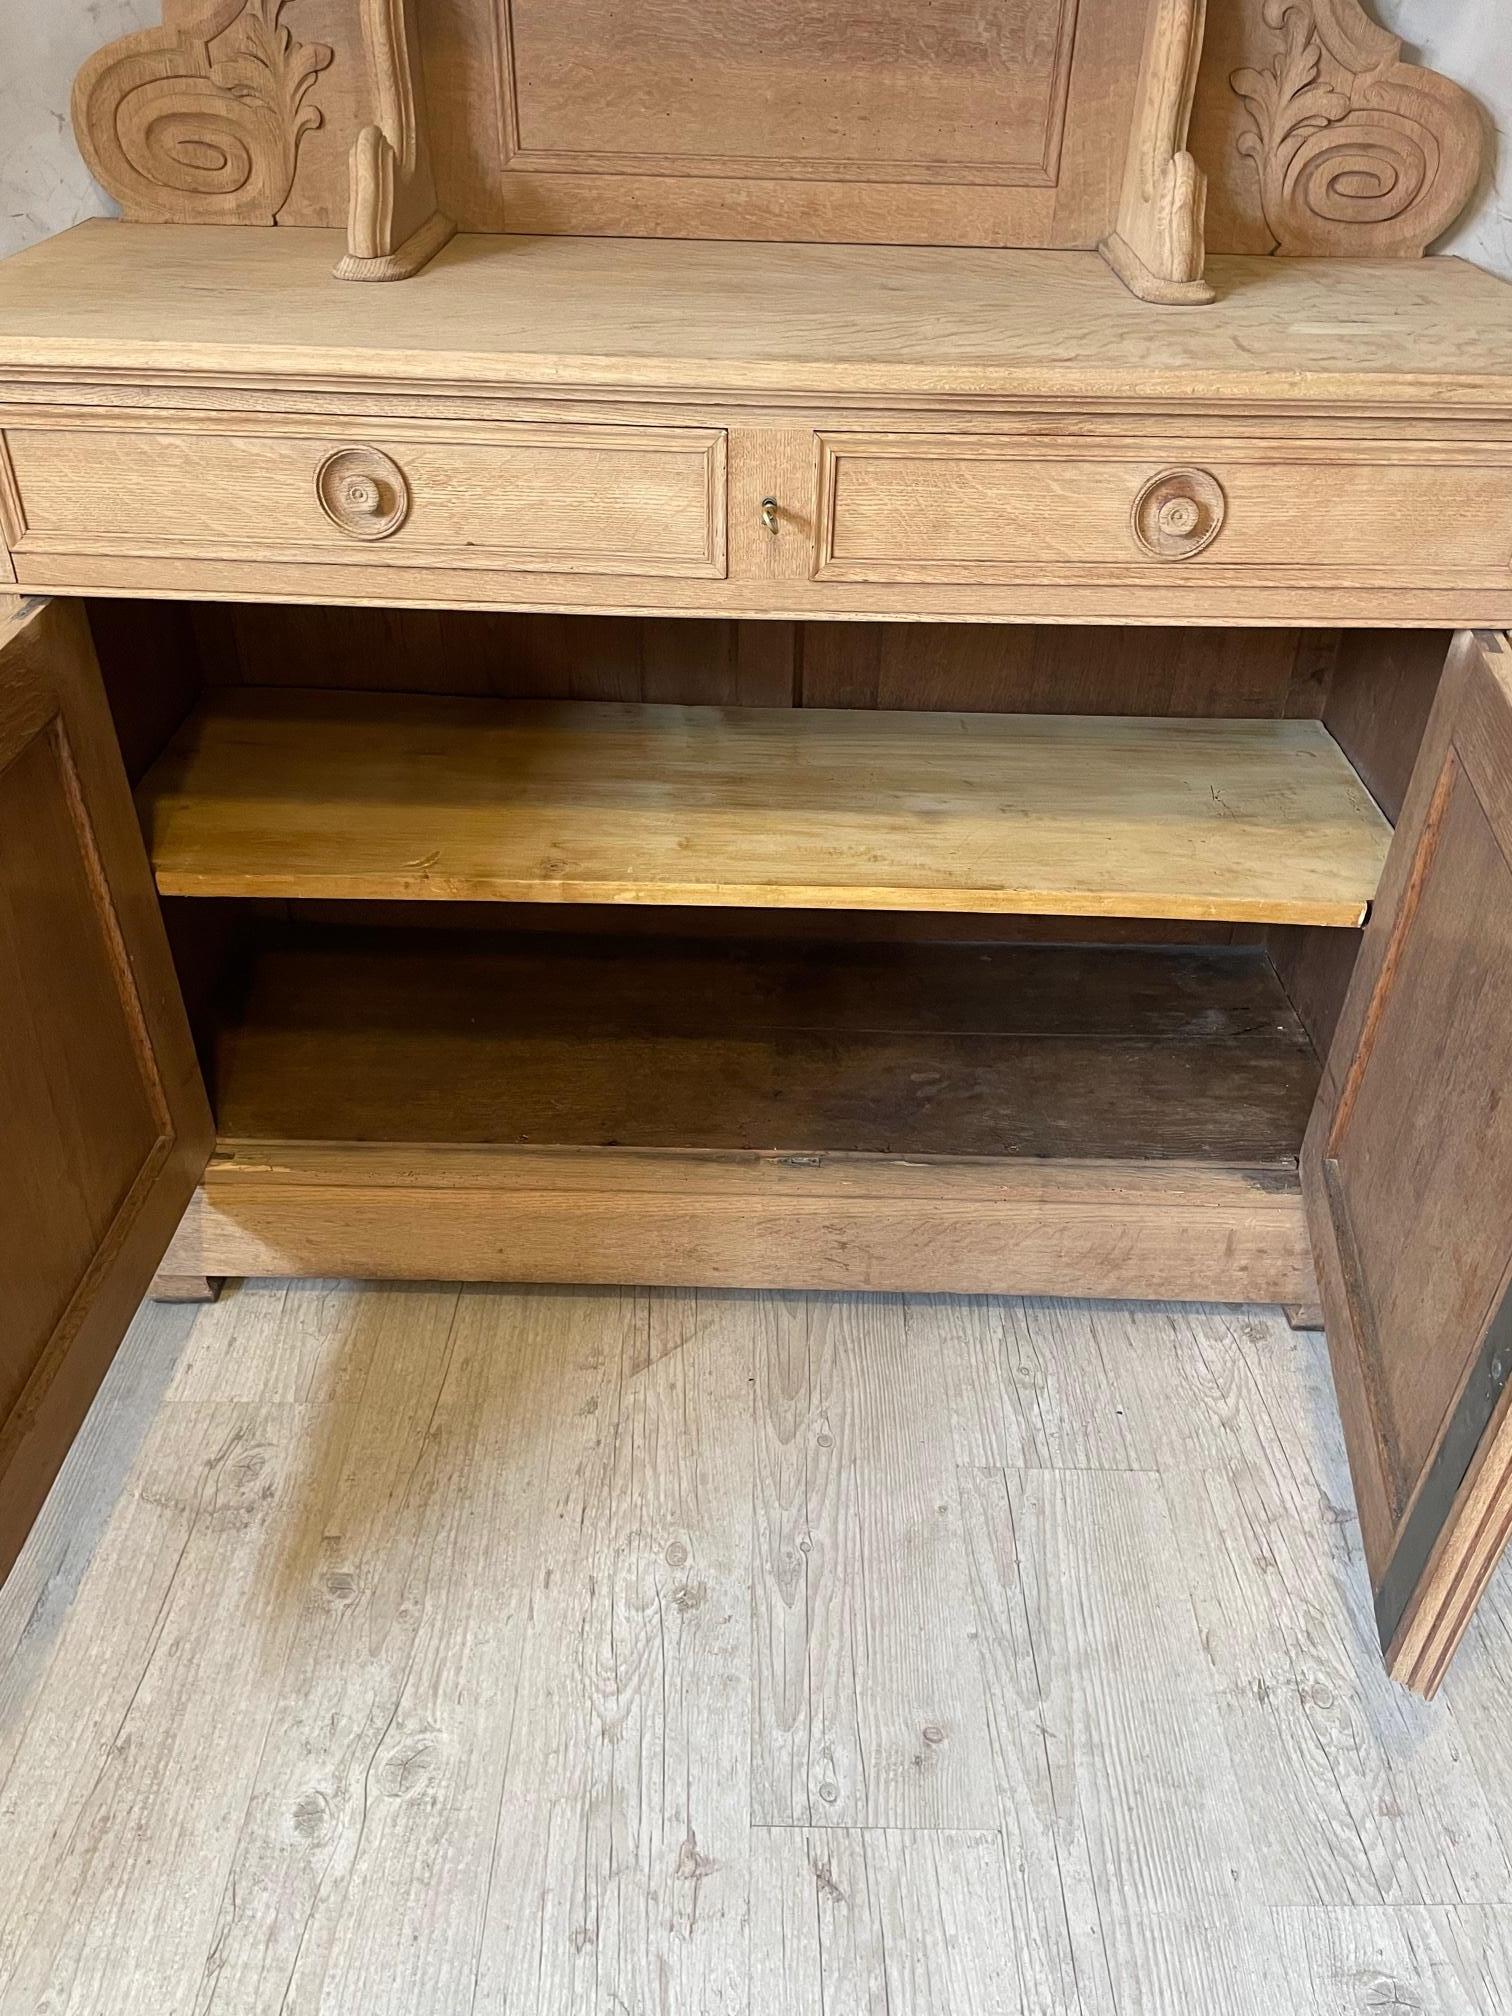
[105,1123]
[600,500]
[918,507]
[1409,1169]
[883,122]
[80,1092]
[808,91]
[1412,140]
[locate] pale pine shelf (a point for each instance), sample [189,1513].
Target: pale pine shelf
[365,796]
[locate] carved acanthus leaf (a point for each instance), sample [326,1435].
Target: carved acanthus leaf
[1366,161]
[200,120]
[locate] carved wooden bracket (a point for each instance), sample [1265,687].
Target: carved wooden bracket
[1359,154]
[202,117]
[1157,249]
[395,224]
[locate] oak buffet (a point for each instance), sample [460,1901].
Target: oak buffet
[888,675]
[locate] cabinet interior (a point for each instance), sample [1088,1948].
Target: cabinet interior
[694,933]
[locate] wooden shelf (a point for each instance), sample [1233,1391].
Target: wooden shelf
[375,796]
[544,1106]
[507,1038]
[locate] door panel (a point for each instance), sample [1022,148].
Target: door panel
[103,1116]
[1408,1174]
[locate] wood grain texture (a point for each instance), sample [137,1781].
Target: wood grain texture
[394,224]
[756,1114]
[1380,691]
[857,1919]
[1333,144]
[598,500]
[682,661]
[1412,1253]
[36,1595]
[964,667]
[979,668]
[1157,248]
[623,314]
[625,1869]
[1131,1229]
[507,160]
[852,124]
[206,1518]
[201,119]
[343,1034]
[1008,509]
[484,1570]
[433,799]
[866,1706]
[106,1125]
[1341,455]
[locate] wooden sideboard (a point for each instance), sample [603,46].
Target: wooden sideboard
[775,764]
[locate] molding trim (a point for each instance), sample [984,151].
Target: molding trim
[1359,153]
[199,121]
[1158,248]
[394,225]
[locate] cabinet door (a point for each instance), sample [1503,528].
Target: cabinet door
[1408,1176]
[103,1117]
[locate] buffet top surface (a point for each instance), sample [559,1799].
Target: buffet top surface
[214,303]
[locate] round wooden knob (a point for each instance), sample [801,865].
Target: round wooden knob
[363,492]
[1179,513]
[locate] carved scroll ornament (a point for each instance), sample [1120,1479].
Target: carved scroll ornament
[200,120]
[1359,153]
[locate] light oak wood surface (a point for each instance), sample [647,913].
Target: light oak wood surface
[334,795]
[601,500]
[554,313]
[387,1651]
[1158,246]
[394,224]
[1214,512]
[791,122]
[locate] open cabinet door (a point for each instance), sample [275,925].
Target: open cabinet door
[1407,1172]
[104,1123]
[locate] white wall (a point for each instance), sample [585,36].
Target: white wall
[1471,40]
[43,183]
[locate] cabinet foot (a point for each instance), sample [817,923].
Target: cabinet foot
[184,1288]
[1304,1315]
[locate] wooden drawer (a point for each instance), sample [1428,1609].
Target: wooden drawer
[1008,510]
[575,499]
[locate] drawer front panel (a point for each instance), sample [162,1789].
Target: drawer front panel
[898,508]
[584,499]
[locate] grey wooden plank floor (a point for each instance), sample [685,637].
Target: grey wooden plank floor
[587,1653]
